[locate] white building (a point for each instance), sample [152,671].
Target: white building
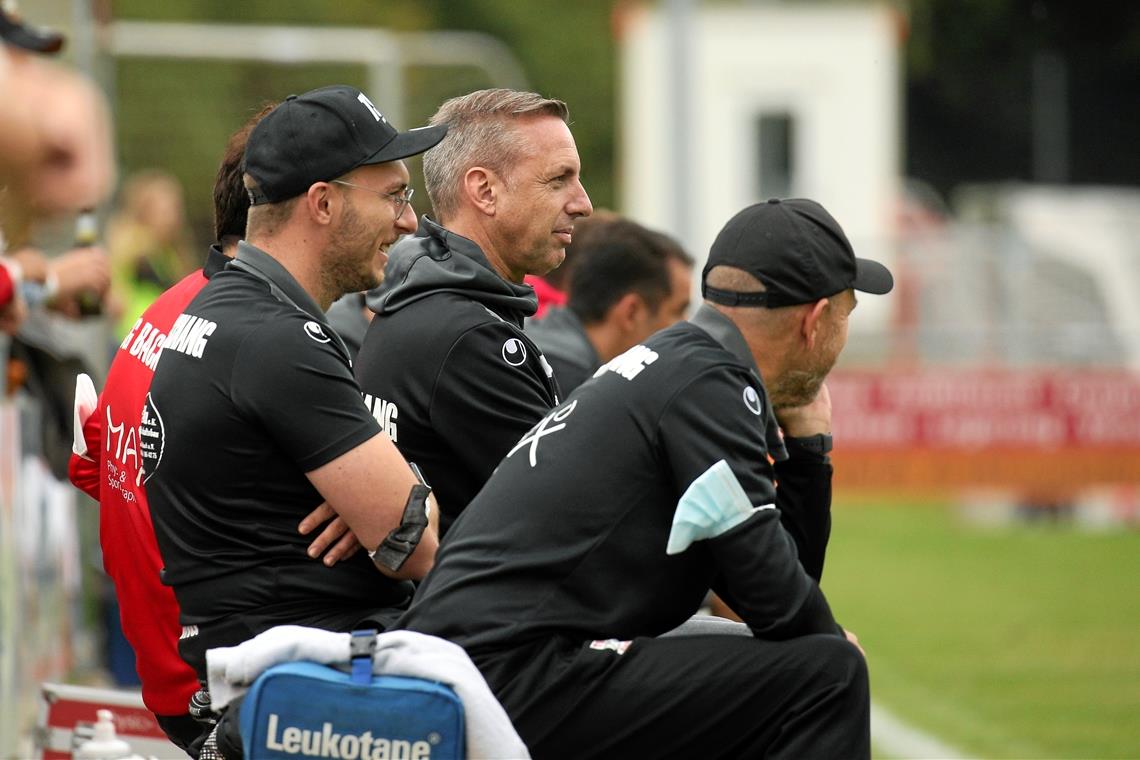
[775,101]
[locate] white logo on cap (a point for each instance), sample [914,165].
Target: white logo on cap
[752,401]
[514,352]
[316,332]
[368,104]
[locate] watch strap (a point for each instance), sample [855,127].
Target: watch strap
[819,444]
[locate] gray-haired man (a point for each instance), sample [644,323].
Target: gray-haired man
[445,365]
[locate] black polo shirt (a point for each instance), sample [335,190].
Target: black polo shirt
[568,538]
[253,389]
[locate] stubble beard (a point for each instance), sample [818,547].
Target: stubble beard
[800,386]
[347,269]
[797,388]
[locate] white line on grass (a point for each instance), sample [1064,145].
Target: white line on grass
[895,738]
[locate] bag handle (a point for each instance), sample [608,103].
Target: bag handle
[360,649]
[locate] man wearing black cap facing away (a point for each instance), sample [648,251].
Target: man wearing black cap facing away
[253,417]
[610,520]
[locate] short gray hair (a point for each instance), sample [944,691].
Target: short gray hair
[480,133]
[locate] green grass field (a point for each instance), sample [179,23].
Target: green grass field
[1015,641]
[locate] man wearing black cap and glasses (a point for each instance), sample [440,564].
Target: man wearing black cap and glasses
[253,417]
[606,525]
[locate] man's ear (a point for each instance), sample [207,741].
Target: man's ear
[810,324]
[481,185]
[319,202]
[627,311]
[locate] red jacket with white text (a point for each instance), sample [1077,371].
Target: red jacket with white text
[111,473]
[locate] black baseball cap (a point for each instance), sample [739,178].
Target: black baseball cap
[797,250]
[322,135]
[15,31]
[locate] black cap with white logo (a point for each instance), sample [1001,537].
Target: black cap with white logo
[797,250]
[322,135]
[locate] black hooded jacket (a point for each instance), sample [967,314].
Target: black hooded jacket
[446,367]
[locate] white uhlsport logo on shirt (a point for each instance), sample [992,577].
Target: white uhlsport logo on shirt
[316,332]
[752,400]
[514,352]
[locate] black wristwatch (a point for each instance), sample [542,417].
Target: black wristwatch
[819,444]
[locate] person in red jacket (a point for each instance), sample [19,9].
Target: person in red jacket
[11,306]
[109,471]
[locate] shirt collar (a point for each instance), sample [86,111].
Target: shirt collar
[725,332]
[263,266]
[455,242]
[215,261]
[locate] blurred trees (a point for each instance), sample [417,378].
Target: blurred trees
[968,92]
[177,114]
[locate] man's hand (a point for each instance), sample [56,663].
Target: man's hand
[855,640]
[807,420]
[336,534]
[81,270]
[12,315]
[32,263]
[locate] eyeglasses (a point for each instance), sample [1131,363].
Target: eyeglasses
[402,199]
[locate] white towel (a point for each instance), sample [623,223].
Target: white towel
[231,670]
[86,399]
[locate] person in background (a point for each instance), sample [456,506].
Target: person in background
[445,364]
[550,289]
[628,282]
[55,159]
[148,242]
[55,128]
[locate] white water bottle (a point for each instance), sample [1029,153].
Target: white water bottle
[104,745]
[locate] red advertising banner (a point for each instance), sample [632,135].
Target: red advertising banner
[1044,429]
[68,714]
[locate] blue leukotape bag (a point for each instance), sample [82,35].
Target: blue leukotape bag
[303,709]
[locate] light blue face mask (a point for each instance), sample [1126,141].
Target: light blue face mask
[713,504]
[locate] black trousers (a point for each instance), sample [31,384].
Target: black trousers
[681,696]
[183,731]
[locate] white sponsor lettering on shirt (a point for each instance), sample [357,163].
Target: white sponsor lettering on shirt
[385,413]
[189,335]
[144,342]
[630,364]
